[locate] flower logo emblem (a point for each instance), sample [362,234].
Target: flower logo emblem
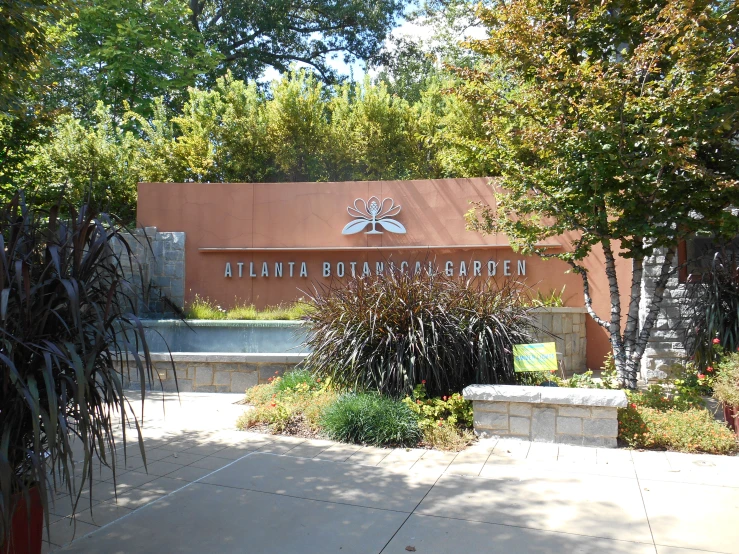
[373,212]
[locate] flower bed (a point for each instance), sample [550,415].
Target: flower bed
[301,404]
[657,420]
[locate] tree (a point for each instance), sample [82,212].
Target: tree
[93,165]
[24,26]
[254,34]
[616,119]
[127,52]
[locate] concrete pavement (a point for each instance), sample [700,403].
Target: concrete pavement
[210,488]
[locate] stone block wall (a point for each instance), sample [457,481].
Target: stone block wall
[216,372]
[582,425]
[567,325]
[586,417]
[156,269]
[665,346]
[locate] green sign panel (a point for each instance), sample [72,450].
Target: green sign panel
[535,357]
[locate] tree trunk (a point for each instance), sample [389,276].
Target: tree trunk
[628,349]
[653,308]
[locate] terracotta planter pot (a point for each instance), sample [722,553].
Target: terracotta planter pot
[27,526]
[731,415]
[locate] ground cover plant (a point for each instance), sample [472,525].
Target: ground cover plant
[446,422]
[690,430]
[300,404]
[391,332]
[203,308]
[293,404]
[726,383]
[671,417]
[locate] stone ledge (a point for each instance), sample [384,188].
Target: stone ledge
[546,395]
[211,357]
[560,310]
[151,323]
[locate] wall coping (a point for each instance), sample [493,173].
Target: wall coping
[225,357]
[220,323]
[546,395]
[560,310]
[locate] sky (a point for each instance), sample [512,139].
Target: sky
[406,28]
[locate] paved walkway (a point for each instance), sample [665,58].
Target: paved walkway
[210,488]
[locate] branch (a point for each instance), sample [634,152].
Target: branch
[615,325]
[586,293]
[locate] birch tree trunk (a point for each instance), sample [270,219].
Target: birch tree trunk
[629,346]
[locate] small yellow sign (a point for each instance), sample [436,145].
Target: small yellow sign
[535,357]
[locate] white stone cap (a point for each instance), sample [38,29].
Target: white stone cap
[210,357]
[546,395]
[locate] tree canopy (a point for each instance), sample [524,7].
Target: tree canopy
[254,34]
[299,129]
[128,52]
[617,119]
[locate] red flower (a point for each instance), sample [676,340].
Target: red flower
[423,382]
[633,405]
[701,376]
[273,405]
[716,341]
[709,369]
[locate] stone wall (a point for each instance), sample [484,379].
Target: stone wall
[587,417]
[156,270]
[216,372]
[665,346]
[568,327]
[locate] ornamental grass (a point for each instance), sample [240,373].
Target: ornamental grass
[389,332]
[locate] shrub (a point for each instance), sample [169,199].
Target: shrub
[390,332]
[298,378]
[446,422]
[726,383]
[661,398]
[712,310]
[453,408]
[292,399]
[369,418]
[691,430]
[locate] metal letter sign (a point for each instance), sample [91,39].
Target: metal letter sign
[373,212]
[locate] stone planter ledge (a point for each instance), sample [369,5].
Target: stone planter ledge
[587,417]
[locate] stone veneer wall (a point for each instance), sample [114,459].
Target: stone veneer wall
[665,346]
[202,372]
[588,425]
[586,417]
[157,271]
[568,327]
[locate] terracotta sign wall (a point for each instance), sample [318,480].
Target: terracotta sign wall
[271,243]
